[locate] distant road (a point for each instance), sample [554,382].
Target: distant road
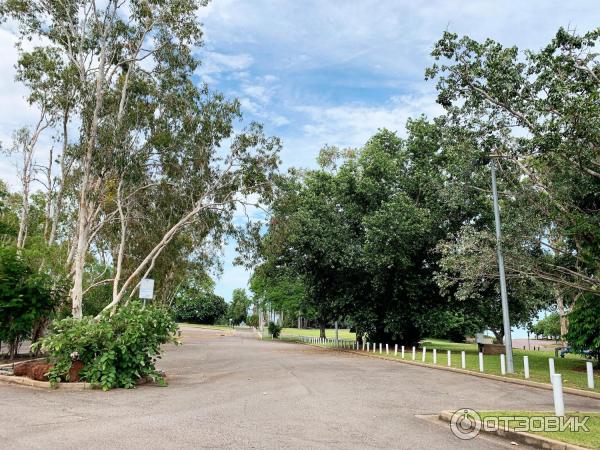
[232,391]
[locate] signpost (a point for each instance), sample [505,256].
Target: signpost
[146,289]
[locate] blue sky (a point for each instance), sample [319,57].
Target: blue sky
[330,71]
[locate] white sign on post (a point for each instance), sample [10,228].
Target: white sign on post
[147,288]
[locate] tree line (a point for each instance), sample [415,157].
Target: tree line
[396,238]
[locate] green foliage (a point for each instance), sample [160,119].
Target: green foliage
[549,326]
[25,297]
[206,308]
[116,350]
[238,309]
[538,112]
[274,330]
[252,321]
[584,325]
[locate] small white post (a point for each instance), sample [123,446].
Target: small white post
[374,347]
[368,345]
[551,365]
[502,364]
[557,390]
[435,356]
[590,374]
[396,350]
[449,354]
[414,352]
[380,348]
[424,354]
[480,362]
[364,343]
[387,350]
[463,360]
[403,352]
[526,366]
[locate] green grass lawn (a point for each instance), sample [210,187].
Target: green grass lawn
[314,332]
[589,439]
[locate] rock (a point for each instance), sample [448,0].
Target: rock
[76,367]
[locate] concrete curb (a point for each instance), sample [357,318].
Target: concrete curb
[24,381]
[534,384]
[80,386]
[533,440]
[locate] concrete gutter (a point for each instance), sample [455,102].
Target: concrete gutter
[530,439]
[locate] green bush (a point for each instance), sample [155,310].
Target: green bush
[25,298]
[274,330]
[252,321]
[584,326]
[206,308]
[115,350]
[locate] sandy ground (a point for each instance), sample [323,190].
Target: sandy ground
[238,392]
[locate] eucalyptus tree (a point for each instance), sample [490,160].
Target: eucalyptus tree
[150,142]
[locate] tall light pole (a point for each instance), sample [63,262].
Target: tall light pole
[510,368]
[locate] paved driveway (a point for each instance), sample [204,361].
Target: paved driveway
[238,392]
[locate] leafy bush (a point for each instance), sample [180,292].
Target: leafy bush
[274,330]
[115,351]
[25,297]
[205,308]
[584,326]
[252,321]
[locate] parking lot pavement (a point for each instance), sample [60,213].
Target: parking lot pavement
[234,391]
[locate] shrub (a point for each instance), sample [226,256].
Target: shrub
[274,330]
[584,326]
[206,308]
[252,321]
[116,351]
[25,298]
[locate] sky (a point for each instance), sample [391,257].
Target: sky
[330,71]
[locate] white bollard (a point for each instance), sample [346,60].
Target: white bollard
[414,353]
[387,350]
[380,348]
[403,352]
[449,354]
[557,390]
[502,364]
[368,344]
[590,374]
[463,360]
[424,354]
[435,356]
[364,343]
[526,366]
[551,365]
[480,362]
[374,347]
[396,350]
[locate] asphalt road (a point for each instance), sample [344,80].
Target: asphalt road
[239,392]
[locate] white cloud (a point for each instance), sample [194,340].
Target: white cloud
[351,125]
